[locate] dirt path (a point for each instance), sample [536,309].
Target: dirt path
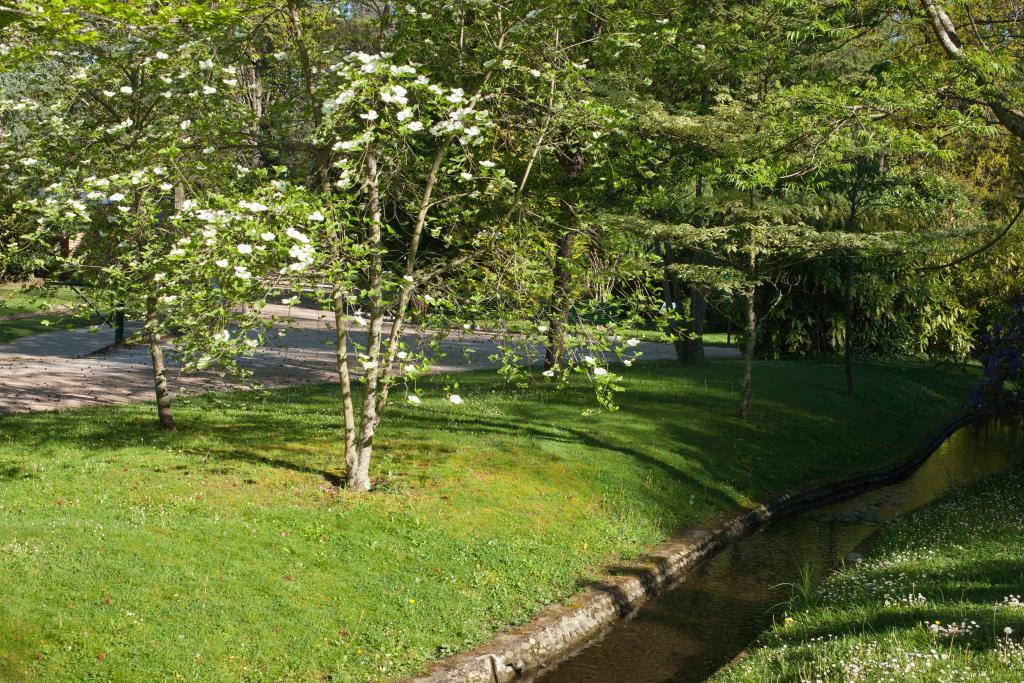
[55,370]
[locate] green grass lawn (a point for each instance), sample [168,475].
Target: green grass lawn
[50,310]
[224,552]
[931,603]
[17,299]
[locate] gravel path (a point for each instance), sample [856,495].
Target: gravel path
[64,369]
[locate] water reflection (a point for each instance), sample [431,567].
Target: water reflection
[696,628]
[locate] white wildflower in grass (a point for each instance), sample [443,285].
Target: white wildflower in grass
[455,399]
[413,399]
[548,373]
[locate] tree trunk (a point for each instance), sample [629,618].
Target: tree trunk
[848,324]
[749,345]
[156,353]
[345,380]
[358,477]
[572,161]
[558,316]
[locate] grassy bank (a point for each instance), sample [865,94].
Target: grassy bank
[939,599]
[225,553]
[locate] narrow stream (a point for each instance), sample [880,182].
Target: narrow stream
[726,602]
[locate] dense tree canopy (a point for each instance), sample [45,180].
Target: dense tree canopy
[826,177]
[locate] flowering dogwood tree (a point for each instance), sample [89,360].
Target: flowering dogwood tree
[137,130]
[405,144]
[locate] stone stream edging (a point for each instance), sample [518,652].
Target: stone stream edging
[561,631]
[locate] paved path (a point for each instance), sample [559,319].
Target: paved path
[55,370]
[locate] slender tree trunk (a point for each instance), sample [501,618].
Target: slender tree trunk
[749,346]
[572,161]
[558,316]
[156,353]
[848,323]
[358,477]
[408,281]
[345,380]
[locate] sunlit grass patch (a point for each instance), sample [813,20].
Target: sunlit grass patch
[227,552]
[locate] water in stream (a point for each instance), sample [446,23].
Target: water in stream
[726,602]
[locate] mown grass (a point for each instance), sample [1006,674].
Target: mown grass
[225,553]
[932,603]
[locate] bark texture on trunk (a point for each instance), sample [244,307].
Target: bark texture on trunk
[156,354]
[358,478]
[345,380]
